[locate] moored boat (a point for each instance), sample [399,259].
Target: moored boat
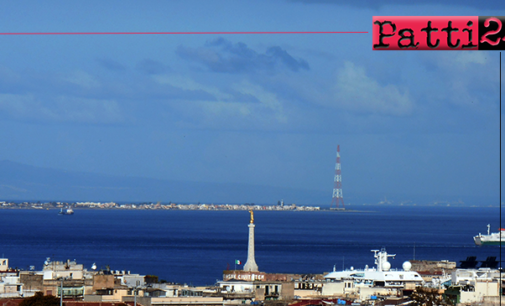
[67,211]
[382,275]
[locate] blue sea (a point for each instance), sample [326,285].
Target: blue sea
[194,247]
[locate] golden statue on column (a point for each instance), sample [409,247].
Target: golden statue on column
[250,264]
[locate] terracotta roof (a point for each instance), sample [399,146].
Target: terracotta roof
[83,303]
[17,301]
[10,302]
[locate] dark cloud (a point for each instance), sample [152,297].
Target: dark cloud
[111,64]
[152,67]
[378,4]
[221,55]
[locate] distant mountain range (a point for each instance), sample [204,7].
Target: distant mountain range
[20,182]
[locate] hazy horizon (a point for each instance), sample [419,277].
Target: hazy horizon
[20,181]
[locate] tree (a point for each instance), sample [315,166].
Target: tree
[429,297]
[151,279]
[39,299]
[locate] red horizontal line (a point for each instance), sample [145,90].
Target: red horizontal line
[172,33]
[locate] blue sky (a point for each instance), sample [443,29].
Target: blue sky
[255,109]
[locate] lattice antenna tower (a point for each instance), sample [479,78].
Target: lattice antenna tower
[337,183]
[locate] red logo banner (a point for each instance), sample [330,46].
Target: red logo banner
[438,33]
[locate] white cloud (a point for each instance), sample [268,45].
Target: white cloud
[16,105]
[220,109]
[356,91]
[88,110]
[465,78]
[60,109]
[186,83]
[226,105]
[82,79]
[458,60]
[267,99]
[470,58]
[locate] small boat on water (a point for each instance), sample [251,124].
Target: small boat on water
[490,238]
[67,211]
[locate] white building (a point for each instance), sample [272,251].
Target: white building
[10,285]
[62,269]
[4,264]
[476,285]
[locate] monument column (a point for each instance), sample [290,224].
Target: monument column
[250,264]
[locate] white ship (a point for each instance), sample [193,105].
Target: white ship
[490,238]
[67,211]
[380,276]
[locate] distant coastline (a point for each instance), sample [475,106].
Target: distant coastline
[204,207]
[154,206]
[159,206]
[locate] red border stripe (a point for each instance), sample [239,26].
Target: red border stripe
[174,33]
